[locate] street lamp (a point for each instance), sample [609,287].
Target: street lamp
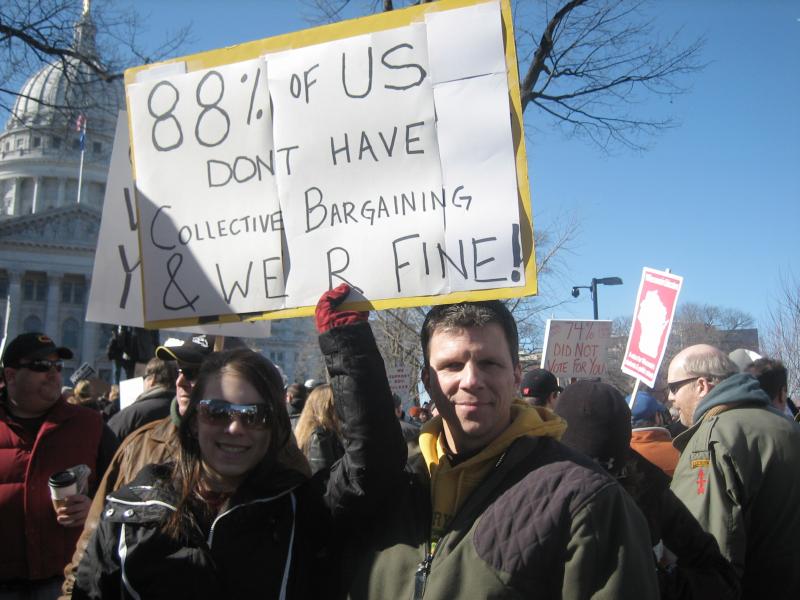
[576,290]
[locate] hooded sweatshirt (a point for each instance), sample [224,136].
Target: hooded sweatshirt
[741,388]
[452,485]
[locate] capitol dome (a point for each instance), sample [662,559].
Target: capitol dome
[57,93]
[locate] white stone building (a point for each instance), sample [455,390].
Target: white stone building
[48,234]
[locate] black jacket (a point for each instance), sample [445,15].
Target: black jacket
[265,544]
[152,405]
[276,534]
[324,449]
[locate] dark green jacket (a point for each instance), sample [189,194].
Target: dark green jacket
[739,475]
[545,523]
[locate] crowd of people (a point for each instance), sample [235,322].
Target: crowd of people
[221,482]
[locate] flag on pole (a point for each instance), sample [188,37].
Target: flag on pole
[80,126]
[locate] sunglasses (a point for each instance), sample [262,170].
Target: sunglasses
[189,373]
[222,413]
[674,386]
[42,366]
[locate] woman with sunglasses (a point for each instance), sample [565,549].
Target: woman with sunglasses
[236,515]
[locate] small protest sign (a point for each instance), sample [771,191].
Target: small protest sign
[576,348]
[652,323]
[85,371]
[370,152]
[402,378]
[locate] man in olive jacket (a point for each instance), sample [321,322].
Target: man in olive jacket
[501,509]
[738,470]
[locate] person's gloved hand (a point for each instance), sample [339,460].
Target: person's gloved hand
[326,315]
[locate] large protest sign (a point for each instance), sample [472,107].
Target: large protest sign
[576,348]
[386,152]
[652,323]
[115,295]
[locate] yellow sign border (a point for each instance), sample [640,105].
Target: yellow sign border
[351,28]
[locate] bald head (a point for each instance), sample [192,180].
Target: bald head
[693,373]
[703,360]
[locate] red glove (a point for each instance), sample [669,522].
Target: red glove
[328,317]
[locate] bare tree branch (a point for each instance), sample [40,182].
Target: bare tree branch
[35,34]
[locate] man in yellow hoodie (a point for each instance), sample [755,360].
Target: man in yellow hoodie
[501,509]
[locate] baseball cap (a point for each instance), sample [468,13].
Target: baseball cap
[32,346]
[539,383]
[646,406]
[191,351]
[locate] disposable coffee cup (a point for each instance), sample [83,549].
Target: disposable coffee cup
[62,485]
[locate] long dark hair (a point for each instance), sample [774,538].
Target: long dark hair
[266,379]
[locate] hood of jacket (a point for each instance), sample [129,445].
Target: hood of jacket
[738,389]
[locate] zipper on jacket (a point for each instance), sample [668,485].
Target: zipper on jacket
[421,574]
[424,567]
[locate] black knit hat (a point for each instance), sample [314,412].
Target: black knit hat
[598,422]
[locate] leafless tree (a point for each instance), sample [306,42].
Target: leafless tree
[693,324]
[585,65]
[34,33]
[783,332]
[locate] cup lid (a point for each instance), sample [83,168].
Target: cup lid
[62,479]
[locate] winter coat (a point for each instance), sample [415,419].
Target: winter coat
[655,444]
[324,449]
[545,522]
[278,526]
[34,546]
[150,406]
[692,565]
[155,442]
[738,475]
[265,543]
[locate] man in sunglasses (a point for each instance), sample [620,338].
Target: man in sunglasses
[41,434]
[738,469]
[155,442]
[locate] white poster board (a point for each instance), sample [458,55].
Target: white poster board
[576,348]
[655,306]
[115,296]
[383,159]
[129,391]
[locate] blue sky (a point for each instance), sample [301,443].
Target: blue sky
[716,200]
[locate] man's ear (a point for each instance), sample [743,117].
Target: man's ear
[704,386]
[517,376]
[425,376]
[9,375]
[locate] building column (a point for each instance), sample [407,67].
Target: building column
[53,302]
[62,191]
[89,343]
[15,196]
[35,205]
[14,300]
